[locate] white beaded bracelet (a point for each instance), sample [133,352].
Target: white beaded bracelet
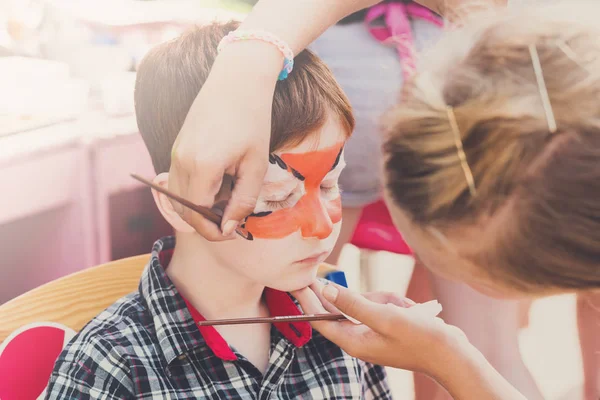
[288,54]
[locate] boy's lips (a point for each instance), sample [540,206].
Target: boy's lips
[313,259]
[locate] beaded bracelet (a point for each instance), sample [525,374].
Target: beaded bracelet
[288,54]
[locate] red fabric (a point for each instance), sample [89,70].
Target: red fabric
[165,258]
[27,362]
[279,304]
[376,231]
[213,339]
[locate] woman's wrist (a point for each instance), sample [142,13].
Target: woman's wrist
[300,22]
[254,61]
[286,20]
[467,375]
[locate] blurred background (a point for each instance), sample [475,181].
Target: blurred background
[68,136]
[68,141]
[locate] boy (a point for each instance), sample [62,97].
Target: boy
[148,344]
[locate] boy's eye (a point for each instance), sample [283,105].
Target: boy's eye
[289,201]
[330,189]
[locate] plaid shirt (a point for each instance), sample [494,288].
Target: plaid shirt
[148,346]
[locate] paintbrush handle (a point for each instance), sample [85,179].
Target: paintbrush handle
[204,211]
[270,320]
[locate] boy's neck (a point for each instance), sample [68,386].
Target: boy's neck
[213,289]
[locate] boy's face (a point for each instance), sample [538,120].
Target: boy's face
[298,215]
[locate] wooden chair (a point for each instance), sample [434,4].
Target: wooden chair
[35,326]
[74,299]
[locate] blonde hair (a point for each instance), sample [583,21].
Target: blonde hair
[544,187]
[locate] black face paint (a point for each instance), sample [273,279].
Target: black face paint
[278,161]
[337,160]
[298,175]
[260,214]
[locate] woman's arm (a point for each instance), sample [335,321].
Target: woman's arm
[227,130]
[300,22]
[395,334]
[469,376]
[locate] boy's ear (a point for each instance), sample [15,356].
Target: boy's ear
[166,207]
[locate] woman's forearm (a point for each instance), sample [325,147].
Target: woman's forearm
[299,22]
[469,376]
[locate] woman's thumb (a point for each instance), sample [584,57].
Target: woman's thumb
[353,304]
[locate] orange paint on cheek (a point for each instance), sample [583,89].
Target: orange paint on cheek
[311,215]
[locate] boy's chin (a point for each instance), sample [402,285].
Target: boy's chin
[296,281]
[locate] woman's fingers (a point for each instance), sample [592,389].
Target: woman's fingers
[313,301]
[389,298]
[343,333]
[317,288]
[309,301]
[355,305]
[181,184]
[249,181]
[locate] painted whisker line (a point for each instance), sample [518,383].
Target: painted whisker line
[298,175]
[269,320]
[261,214]
[337,160]
[275,159]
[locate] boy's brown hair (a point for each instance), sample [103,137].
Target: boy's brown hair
[538,192]
[171,75]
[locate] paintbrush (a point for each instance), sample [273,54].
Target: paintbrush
[204,211]
[215,218]
[270,320]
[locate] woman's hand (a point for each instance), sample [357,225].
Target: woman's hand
[397,333]
[227,131]
[394,332]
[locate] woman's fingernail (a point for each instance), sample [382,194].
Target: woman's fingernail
[409,301]
[330,292]
[229,227]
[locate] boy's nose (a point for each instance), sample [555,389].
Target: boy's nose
[317,222]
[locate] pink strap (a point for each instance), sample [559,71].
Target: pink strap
[397,29]
[418,11]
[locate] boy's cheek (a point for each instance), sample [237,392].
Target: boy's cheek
[334,209]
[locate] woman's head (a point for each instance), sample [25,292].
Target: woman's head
[298,215]
[533,222]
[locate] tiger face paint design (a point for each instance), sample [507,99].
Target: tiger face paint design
[312,204]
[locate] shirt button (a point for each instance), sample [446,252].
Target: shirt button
[182,357]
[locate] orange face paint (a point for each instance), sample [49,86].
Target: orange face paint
[312,215]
